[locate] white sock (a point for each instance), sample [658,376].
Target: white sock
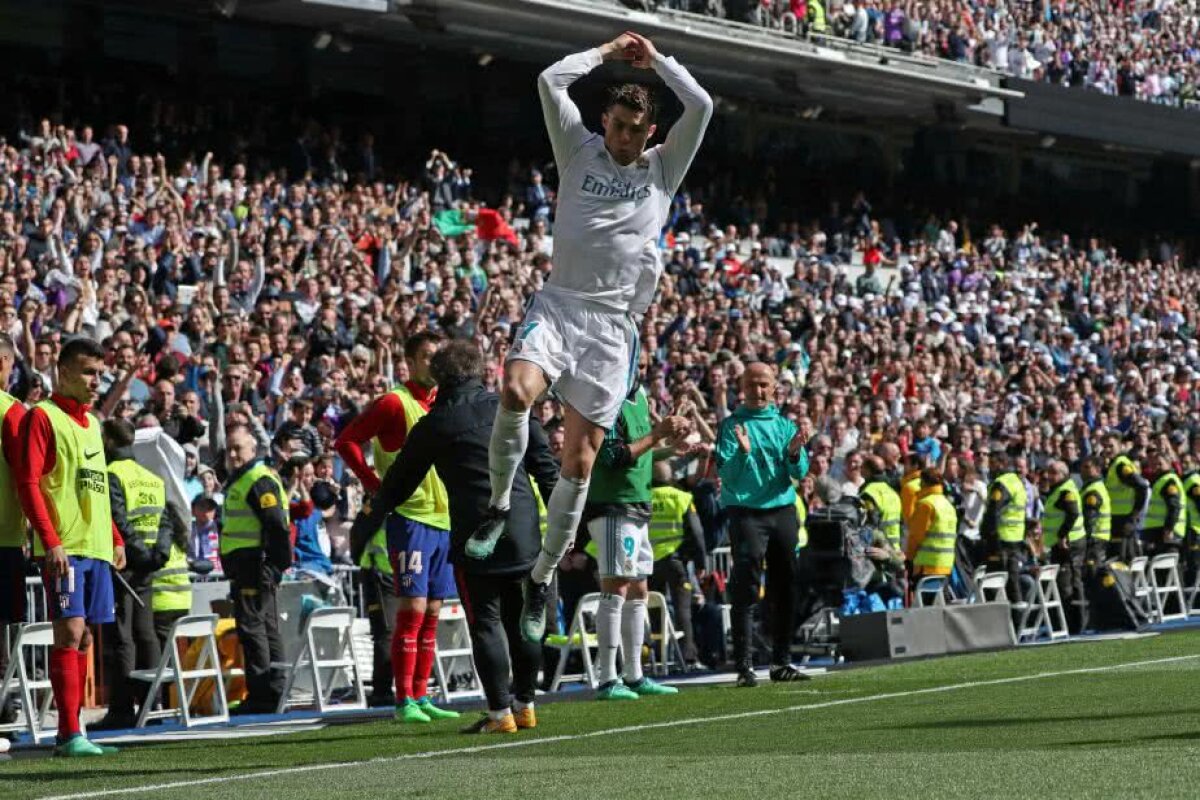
[499,714]
[519,706]
[562,519]
[633,631]
[510,437]
[608,637]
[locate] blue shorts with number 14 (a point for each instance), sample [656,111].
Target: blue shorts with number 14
[420,557]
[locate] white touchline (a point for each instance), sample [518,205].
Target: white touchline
[614,731]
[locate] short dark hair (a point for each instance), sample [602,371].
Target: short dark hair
[635,97]
[457,362]
[119,432]
[80,347]
[931,476]
[413,343]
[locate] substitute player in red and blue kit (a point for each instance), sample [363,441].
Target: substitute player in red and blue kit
[62,483]
[416,536]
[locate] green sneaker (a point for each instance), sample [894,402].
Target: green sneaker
[615,691]
[482,542]
[433,712]
[409,712]
[646,687]
[533,610]
[80,747]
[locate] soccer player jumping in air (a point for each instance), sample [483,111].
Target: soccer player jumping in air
[580,333]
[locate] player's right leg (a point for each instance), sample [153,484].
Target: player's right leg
[614,536]
[524,381]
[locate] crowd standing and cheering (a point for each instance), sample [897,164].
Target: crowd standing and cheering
[1012,392]
[1147,49]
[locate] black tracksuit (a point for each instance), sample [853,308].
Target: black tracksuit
[454,437]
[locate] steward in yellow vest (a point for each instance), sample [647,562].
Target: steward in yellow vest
[881,504]
[1097,512]
[1002,529]
[933,528]
[1191,509]
[677,539]
[1128,492]
[1065,541]
[255,550]
[138,499]
[1165,525]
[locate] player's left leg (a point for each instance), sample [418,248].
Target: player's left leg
[581,443]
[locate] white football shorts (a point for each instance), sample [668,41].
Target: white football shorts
[622,547]
[589,354]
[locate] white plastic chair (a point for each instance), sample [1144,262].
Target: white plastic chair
[579,637]
[1055,614]
[1143,593]
[1166,586]
[171,671]
[323,673]
[454,644]
[992,588]
[19,681]
[931,591]
[666,641]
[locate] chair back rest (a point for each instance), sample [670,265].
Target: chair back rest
[1165,561]
[330,617]
[194,627]
[1049,574]
[655,601]
[452,610]
[35,634]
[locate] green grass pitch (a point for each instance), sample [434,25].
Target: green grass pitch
[1077,720]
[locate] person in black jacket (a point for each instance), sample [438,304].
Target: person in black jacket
[454,438]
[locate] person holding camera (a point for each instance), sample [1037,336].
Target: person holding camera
[255,550]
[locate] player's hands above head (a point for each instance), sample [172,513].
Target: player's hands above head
[622,48]
[645,51]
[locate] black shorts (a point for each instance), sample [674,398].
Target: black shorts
[12,585]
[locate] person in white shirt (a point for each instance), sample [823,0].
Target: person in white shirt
[580,332]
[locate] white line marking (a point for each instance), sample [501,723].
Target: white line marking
[614,731]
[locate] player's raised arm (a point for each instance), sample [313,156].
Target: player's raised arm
[563,120]
[686,134]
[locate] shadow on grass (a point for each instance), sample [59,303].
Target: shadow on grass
[979,722]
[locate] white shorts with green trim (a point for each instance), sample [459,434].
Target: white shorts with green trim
[622,547]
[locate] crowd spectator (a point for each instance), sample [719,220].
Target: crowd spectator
[1148,49]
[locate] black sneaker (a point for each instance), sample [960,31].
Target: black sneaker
[785,673]
[381,700]
[491,528]
[114,721]
[746,677]
[533,610]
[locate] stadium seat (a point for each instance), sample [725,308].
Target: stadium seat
[1193,594]
[311,662]
[931,591]
[666,641]
[18,680]
[454,646]
[582,637]
[172,672]
[991,588]
[1142,591]
[1166,586]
